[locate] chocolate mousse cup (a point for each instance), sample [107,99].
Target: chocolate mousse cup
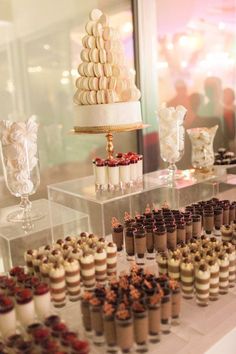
[110,333]
[175,306]
[166,310]
[231,212]
[86,316]
[149,241]
[97,324]
[154,322]
[125,334]
[129,243]
[140,246]
[208,221]
[197,225]
[225,205]
[189,228]
[160,238]
[141,330]
[118,237]
[171,237]
[218,220]
[181,231]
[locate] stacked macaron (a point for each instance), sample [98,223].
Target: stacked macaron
[103,76]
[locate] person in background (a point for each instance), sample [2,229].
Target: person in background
[229,114]
[181,97]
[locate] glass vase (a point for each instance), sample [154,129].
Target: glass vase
[171,137]
[202,147]
[20,161]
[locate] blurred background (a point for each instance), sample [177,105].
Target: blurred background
[182,52]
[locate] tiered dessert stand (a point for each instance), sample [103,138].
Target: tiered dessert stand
[109,130]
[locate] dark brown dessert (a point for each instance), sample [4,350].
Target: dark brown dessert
[129,241]
[124,328]
[171,237]
[160,238]
[140,245]
[117,234]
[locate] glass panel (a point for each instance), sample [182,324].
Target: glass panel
[40,48]
[197,66]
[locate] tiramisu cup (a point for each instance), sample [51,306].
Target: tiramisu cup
[97,320]
[174,266]
[29,256]
[181,231]
[154,316]
[140,326]
[7,316]
[124,329]
[160,239]
[214,279]
[111,259]
[117,234]
[162,261]
[140,245]
[88,270]
[58,285]
[72,273]
[197,225]
[202,284]
[226,232]
[187,278]
[55,256]
[218,220]
[171,237]
[166,311]
[42,300]
[100,258]
[36,263]
[223,260]
[25,309]
[232,265]
[44,268]
[129,243]
[149,240]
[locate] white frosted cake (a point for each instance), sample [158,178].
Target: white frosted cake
[106,94]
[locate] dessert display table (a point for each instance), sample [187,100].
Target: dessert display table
[199,329]
[80,194]
[56,222]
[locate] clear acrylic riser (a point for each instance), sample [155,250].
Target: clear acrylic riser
[101,206]
[57,221]
[199,329]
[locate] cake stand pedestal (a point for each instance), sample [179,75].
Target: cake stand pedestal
[109,130]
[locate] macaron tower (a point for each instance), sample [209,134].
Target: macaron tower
[106,94]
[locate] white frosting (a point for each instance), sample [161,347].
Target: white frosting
[57,272]
[71,266]
[87,259]
[121,113]
[88,272]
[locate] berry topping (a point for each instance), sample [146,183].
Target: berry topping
[52,320]
[41,289]
[6,304]
[16,271]
[23,296]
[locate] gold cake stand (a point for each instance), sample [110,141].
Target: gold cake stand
[109,130]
